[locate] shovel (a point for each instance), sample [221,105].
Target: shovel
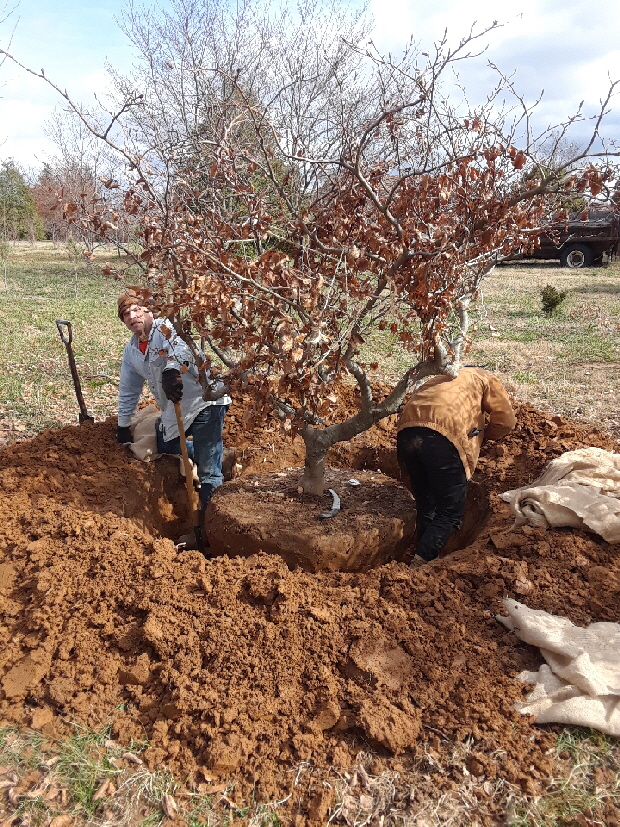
[67,340]
[194,511]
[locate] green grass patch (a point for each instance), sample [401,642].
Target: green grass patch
[588,344]
[534,334]
[35,382]
[525,376]
[586,792]
[84,764]
[384,347]
[98,781]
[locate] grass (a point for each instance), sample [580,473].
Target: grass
[83,766]
[567,363]
[96,782]
[587,789]
[36,390]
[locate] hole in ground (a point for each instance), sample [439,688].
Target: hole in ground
[162,508]
[376,524]
[477,508]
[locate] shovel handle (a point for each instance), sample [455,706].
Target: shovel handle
[60,323]
[189,481]
[192,506]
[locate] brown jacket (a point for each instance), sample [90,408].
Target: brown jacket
[456,408]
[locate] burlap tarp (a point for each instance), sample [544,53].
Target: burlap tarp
[580,682]
[580,489]
[144,445]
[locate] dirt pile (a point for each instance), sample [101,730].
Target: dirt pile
[243,669]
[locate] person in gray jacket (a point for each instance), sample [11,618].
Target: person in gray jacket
[156,354]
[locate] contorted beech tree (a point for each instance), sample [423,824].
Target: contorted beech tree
[299,221]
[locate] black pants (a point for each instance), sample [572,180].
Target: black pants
[438,483]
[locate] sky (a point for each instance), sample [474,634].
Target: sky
[569,48]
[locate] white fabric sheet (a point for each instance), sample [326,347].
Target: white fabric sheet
[580,682]
[580,489]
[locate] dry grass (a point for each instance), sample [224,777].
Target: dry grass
[584,793]
[567,363]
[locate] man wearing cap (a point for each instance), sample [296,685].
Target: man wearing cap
[440,432]
[155,353]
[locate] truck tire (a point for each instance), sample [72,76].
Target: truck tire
[576,256]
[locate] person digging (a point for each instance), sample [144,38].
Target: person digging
[164,360]
[440,432]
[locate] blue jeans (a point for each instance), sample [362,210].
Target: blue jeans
[206,448]
[439,485]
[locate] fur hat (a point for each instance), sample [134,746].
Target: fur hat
[127,300]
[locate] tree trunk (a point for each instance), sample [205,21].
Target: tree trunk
[317,446]
[318,441]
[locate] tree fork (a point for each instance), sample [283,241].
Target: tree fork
[318,441]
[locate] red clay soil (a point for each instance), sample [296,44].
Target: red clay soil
[374,523]
[241,668]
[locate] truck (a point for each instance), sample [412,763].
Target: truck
[586,239]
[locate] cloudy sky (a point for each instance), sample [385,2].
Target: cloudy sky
[566,47]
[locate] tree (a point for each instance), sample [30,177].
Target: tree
[75,176]
[192,59]
[18,213]
[342,191]
[291,280]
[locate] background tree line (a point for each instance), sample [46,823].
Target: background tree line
[33,201]
[19,214]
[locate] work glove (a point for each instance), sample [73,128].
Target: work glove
[123,435]
[172,385]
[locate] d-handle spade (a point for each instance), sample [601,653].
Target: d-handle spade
[67,340]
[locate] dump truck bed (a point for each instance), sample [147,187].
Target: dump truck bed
[580,242]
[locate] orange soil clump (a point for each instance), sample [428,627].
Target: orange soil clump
[242,668]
